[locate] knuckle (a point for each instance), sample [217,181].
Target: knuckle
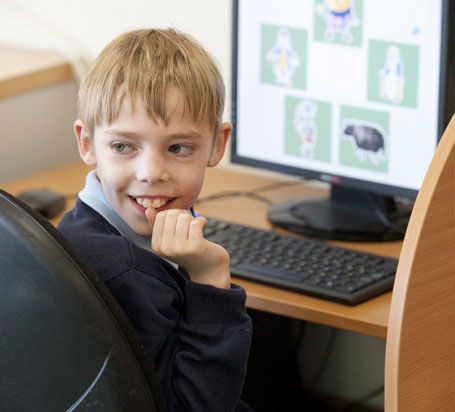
[173,212]
[185,218]
[169,212]
[196,223]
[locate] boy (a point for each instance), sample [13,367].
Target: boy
[150,123]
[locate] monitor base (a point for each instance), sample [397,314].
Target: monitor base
[348,215]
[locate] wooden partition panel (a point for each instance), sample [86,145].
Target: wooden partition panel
[420,349]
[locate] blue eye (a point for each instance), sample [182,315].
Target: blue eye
[121,147]
[181,149]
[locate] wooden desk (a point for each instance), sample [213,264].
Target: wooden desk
[368,318]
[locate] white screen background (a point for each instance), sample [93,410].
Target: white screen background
[259,110]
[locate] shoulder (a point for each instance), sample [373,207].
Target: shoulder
[109,253]
[82,219]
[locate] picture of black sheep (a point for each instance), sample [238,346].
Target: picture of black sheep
[365,137]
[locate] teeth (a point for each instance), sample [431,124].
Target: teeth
[147,203]
[155,203]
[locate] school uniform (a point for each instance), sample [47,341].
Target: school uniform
[198,335]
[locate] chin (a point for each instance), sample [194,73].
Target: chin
[139,227]
[147,232]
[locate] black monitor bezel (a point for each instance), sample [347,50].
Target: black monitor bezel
[446,110]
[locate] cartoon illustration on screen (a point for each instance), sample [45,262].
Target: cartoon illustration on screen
[283,57]
[393,73]
[306,127]
[391,76]
[340,17]
[368,140]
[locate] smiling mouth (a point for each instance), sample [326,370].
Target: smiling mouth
[155,203]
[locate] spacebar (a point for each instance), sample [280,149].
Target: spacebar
[264,270]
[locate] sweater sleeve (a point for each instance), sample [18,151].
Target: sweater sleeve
[215,336]
[199,338]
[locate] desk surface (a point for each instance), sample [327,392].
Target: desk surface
[368,318]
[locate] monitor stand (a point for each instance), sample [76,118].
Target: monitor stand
[349,215]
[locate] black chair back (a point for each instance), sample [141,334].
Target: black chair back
[65,344]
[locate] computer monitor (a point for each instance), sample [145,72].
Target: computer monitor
[350,92]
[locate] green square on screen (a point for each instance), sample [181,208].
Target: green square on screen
[393,70]
[284,56]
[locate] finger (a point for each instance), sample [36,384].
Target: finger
[196,229]
[183,226]
[157,233]
[150,214]
[170,223]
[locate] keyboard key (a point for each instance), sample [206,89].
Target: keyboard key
[267,271]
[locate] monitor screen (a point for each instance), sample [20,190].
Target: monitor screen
[351,92]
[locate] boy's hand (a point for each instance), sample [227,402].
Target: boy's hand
[178,236]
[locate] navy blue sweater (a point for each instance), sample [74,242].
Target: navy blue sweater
[198,335]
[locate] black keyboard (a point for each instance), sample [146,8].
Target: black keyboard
[303,265]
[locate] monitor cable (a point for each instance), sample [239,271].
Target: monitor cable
[253,194]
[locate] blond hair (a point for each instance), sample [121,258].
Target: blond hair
[146,64]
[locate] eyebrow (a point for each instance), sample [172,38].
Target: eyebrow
[187,135]
[121,133]
[132,135]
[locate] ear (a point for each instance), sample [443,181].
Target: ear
[85,143]
[219,144]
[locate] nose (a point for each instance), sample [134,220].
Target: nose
[152,168]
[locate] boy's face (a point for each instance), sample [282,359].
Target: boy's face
[139,159]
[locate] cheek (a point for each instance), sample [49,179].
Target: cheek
[190,181]
[115,174]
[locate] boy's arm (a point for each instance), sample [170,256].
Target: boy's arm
[215,332]
[199,341]
[215,338]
